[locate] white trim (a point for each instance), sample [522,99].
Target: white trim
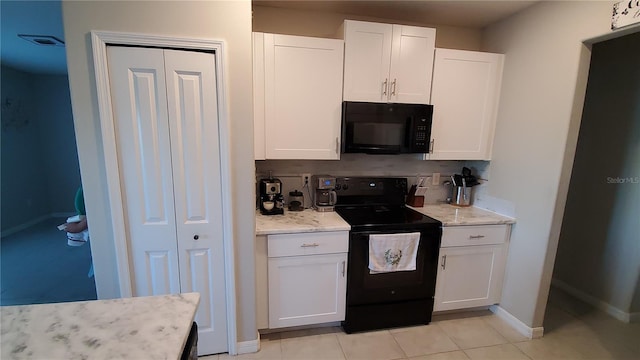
[247,347]
[595,302]
[99,40]
[519,326]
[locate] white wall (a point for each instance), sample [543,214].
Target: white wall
[24,186]
[599,247]
[40,172]
[225,20]
[540,108]
[58,142]
[326,24]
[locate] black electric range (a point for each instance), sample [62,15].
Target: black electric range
[394,299]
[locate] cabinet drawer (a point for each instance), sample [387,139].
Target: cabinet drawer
[330,242]
[474,235]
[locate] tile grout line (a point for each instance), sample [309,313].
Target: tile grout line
[397,343]
[344,354]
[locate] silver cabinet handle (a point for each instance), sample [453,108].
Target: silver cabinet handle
[444,261]
[384,87]
[337,145]
[476,236]
[309,245]
[431,144]
[393,88]
[343,266]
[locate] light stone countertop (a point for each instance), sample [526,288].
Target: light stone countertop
[305,221]
[154,327]
[451,215]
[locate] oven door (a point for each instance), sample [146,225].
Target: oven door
[365,288]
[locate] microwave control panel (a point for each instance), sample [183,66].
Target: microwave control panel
[421,135]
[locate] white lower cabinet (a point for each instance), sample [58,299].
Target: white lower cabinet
[471,268]
[306,278]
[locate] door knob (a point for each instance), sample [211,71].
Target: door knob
[196,237]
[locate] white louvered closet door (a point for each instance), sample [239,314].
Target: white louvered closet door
[166,121]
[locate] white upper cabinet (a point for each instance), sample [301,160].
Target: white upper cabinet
[388,63]
[299,102]
[465,94]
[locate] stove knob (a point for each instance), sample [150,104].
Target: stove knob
[338,186]
[345,187]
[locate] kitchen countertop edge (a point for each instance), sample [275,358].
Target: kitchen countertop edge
[306,221]
[151,327]
[450,215]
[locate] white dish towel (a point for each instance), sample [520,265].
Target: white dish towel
[393,252]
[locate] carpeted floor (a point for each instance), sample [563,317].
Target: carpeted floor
[37,266]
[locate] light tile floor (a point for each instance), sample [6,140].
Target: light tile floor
[573,330]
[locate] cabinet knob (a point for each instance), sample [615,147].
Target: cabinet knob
[196,237]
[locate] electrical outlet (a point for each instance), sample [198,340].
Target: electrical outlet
[306,179]
[436,179]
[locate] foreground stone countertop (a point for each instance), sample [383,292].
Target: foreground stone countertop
[451,215]
[308,220]
[154,327]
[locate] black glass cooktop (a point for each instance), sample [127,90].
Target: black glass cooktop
[385,217]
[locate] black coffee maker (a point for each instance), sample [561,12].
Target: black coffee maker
[271,199]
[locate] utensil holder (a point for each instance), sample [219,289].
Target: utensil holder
[461,196]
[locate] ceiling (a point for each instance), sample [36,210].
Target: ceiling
[45,18]
[33,18]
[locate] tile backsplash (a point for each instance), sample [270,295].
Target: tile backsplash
[406,165]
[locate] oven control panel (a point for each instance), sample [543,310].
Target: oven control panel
[363,190]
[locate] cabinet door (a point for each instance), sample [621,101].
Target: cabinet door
[303,104]
[469,276]
[307,289]
[466,89]
[367,60]
[411,64]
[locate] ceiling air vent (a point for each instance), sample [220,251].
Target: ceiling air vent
[46,40]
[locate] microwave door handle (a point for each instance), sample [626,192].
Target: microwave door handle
[407,133]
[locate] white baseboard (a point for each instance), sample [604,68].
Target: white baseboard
[24,226]
[246,347]
[595,302]
[519,326]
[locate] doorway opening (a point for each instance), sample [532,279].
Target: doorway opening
[597,266]
[40,171]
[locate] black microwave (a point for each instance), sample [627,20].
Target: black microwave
[379,128]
